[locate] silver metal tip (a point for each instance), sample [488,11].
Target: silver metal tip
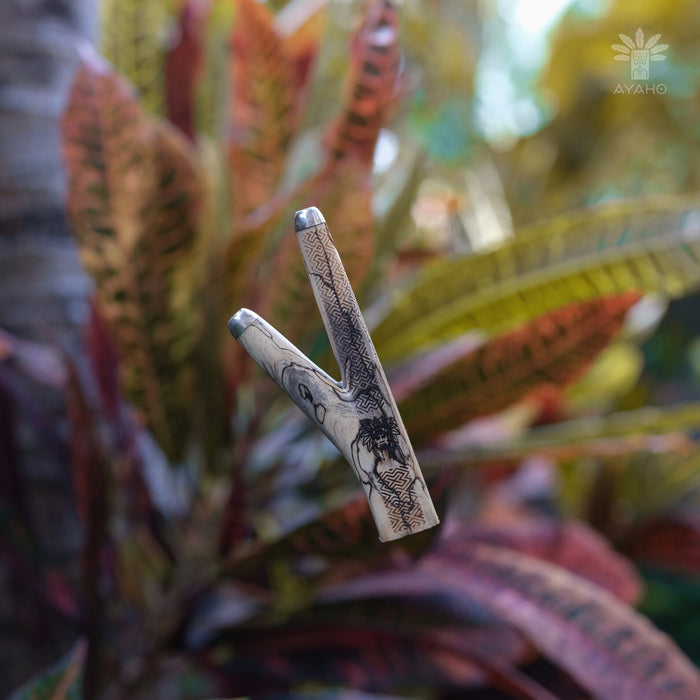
[306,218]
[240,321]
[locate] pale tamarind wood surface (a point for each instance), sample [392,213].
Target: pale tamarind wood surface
[357,414]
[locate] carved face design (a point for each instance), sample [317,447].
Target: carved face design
[380,436]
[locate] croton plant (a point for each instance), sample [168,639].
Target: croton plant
[227,550]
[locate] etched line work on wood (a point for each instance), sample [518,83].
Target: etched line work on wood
[357,414]
[348,332]
[381,438]
[380,459]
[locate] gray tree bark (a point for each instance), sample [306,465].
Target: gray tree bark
[43,296]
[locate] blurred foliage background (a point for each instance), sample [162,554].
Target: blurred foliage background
[521,228]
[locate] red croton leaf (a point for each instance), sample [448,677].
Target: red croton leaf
[183,66]
[570,544]
[91,477]
[104,363]
[608,648]
[439,392]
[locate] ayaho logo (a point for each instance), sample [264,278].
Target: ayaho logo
[640,54]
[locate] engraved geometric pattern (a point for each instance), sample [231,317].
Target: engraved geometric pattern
[347,327]
[359,365]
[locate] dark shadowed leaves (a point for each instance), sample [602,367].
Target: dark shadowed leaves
[669,542]
[59,682]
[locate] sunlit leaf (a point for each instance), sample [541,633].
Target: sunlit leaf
[301,25]
[552,349]
[614,372]
[135,202]
[650,246]
[132,39]
[651,483]
[649,429]
[651,420]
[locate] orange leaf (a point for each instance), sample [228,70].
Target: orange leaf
[262,105]
[555,348]
[302,26]
[371,83]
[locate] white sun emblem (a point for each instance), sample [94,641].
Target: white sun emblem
[640,53]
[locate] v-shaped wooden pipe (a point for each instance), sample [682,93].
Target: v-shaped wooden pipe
[357,414]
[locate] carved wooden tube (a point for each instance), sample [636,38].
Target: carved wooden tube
[357,414]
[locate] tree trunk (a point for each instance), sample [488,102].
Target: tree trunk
[43,296]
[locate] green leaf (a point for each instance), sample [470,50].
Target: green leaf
[437,396]
[650,420]
[134,201]
[62,681]
[650,428]
[647,244]
[133,39]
